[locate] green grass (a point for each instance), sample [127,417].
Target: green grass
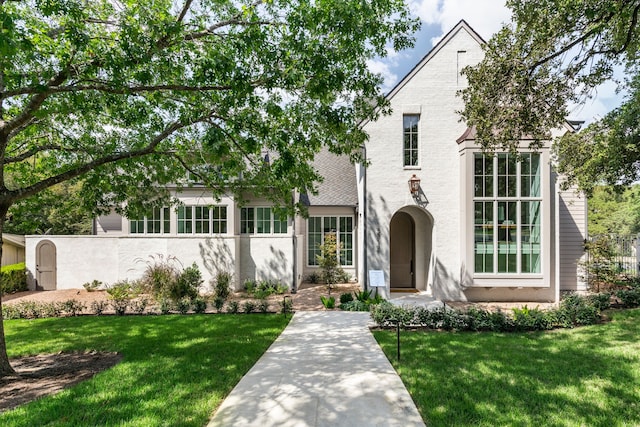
[175,369]
[587,376]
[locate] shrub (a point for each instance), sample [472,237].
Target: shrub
[629,297]
[165,306]
[526,319]
[249,286]
[343,276]
[354,306]
[346,297]
[13,278]
[362,295]
[120,296]
[199,305]
[328,260]
[187,284]
[601,301]
[233,307]
[218,303]
[138,306]
[328,302]
[10,312]
[388,314]
[222,285]
[575,310]
[248,307]
[263,306]
[98,307]
[72,307]
[313,278]
[161,275]
[50,309]
[183,305]
[92,286]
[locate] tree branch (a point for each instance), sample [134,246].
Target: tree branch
[74,172]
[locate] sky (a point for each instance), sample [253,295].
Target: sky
[486,17]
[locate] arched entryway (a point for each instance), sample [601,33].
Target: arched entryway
[411,248]
[46,275]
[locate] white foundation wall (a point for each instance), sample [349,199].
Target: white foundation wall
[81,259]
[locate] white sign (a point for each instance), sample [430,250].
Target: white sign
[376,279]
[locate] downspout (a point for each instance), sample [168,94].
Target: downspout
[294,285]
[364,220]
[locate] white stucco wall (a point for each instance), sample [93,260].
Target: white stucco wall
[81,259]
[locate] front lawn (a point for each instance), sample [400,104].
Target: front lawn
[175,369]
[587,376]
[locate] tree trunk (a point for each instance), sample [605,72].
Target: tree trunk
[5,366]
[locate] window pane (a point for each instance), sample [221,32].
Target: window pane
[263,222]
[219,219]
[410,138]
[246,220]
[185,215]
[314,239]
[280,224]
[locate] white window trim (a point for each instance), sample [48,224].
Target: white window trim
[518,199]
[353,250]
[145,219]
[210,220]
[272,221]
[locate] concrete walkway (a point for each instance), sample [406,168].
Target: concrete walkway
[325,369]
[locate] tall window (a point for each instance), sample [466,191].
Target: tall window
[262,220]
[319,226]
[410,133]
[202,219]
[507,212]
[155,222]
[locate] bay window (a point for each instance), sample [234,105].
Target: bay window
[319,226]
[507,202]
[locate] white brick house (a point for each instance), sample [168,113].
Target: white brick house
[479,228]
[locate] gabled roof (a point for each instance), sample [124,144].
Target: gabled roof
[339,187]
[462,25]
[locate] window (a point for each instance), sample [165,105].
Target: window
[410,125]
[319,226]
[262,220]
[155,222]
[202,219]
[507,211]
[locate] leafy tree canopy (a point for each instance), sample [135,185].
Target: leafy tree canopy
[555,52]
[614,212]
[132,94]
[129,95]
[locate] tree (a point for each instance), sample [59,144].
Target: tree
[614,212]
[129,96]
[57,210]
[555,52]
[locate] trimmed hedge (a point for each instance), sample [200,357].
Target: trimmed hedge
[574,310]
[13,278]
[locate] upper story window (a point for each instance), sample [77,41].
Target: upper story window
[201,219]
[410,135]
[155,222]
[319,226]
[507,202]
[262,220]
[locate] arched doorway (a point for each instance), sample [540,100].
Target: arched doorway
[402,251]
[46,274]
[411,249]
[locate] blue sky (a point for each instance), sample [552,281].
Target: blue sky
[486,17]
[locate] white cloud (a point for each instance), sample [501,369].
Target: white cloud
[383,67]
[484,16]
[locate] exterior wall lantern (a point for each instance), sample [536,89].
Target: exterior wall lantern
[414,185]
